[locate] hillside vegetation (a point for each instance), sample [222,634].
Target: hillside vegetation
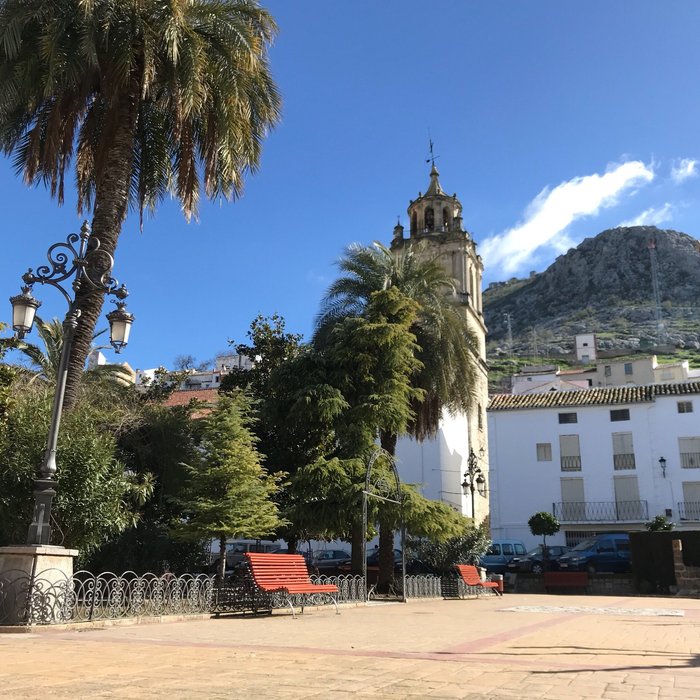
[603,286]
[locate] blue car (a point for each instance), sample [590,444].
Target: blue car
[609,552]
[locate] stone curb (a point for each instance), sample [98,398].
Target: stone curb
[147,620]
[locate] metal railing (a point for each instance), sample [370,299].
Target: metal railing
[601,511]
[689,510]
[571,464]
[624,461]
[690,460]
[50,597]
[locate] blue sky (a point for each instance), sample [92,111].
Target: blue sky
[552,121]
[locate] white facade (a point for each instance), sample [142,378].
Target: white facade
[438,466]
[602,472]
[586,347]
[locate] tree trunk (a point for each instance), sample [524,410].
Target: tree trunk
[386,530]
[356,548]
[110,209]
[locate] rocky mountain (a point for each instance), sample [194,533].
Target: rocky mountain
[604,286]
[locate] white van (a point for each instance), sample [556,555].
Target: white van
[500,553]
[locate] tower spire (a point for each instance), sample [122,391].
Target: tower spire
[432,157]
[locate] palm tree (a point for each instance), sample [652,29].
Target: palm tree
[144,97]
[45,363]
[448,348]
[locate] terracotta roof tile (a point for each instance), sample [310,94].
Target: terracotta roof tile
[182,398]
[591,397]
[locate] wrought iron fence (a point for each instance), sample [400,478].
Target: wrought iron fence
[51,597]
[689,510]
[571,463]
[623,461]
[601,511]
[690,460]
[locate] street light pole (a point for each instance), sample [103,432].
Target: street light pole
[474,479]
[79,258]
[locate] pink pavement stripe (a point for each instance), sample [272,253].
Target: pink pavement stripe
[475,645]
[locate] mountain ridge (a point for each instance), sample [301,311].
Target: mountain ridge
[604,286]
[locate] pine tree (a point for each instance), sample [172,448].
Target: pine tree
[229,493]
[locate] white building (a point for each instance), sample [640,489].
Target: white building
[586,344]
[438,466]
[202,379]
[612,372]
[535,380]
[592,458]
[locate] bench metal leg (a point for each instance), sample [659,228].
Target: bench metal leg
[290,602]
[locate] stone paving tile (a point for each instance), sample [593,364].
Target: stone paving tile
[472,649]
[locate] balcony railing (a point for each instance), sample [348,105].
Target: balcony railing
[624,461]
[690,460]
[689,510]
[571,464]
[601,511]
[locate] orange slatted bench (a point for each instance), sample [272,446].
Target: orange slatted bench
[287,574]
[470,576]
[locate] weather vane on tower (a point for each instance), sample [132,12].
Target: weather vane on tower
[432,158]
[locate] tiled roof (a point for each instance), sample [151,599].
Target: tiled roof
[591,397]
[182,398]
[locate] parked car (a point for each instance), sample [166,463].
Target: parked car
[608,552]
[533,561]
[308,556]
[413,566]
[329,559]
[500,553]
[236,550]
[373,558]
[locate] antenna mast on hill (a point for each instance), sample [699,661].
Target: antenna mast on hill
[660,333]
[535,350]
[507,317]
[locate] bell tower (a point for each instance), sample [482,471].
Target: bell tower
[437,232]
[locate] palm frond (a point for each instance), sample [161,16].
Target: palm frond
[447,348]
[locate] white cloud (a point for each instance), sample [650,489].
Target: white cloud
[652,216]
[684,169]
[552,211]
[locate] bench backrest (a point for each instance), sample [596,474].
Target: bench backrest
[277,569]
[469,574]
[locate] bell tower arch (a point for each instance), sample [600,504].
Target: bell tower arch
[436,231]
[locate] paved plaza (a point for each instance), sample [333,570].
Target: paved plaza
[562,647]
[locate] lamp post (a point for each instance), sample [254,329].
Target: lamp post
[81,260]
[662,464]
[474,479]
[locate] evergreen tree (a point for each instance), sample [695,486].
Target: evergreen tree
[446,347]
[228,492]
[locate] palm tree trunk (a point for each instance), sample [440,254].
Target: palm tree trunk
[110,209]
[356,547]
[386,530]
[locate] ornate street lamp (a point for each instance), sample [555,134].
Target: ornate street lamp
[81,259]
[474,479]
[662,464]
